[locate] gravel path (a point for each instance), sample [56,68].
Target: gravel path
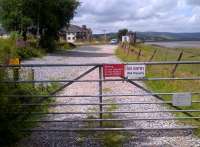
[100,54]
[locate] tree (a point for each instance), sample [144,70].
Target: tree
[46,16]
[12,16]
[122,32]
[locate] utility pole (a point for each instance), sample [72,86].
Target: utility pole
[38,21]
[105,35]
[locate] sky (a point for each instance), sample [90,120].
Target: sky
[139,15]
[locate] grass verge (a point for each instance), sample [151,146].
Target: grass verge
[168,54]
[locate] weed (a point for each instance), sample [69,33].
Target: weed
[108,139]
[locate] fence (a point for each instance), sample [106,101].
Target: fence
[101,96]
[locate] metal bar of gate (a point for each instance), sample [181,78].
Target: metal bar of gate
[75,65]
[108,112]
[96,104]
[110,129]
[100,93]
[128,119]
[113,95]
[111,80]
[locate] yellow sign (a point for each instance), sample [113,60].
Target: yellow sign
[14,61]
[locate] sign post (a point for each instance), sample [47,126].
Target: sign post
[15,61]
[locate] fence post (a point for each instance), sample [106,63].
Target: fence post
[16,74]
[128,48]
[100,93]
[176,66]
[154,53]
[139,54]
[33,77]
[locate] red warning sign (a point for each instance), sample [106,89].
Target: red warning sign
[113,70]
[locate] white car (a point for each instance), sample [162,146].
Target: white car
[113,41]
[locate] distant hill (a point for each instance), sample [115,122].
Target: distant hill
[159,36]
[165,36]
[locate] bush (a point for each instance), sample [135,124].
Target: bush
[8,49]
[48,43]
[25,53]
[12,118]
[65,46]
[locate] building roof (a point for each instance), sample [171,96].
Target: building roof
[75,29]
[72,29]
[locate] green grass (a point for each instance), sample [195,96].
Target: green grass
[168,54]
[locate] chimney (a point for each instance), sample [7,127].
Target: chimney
[84,27]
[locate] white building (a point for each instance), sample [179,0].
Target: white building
[125,39]
[75,33]
[71,37]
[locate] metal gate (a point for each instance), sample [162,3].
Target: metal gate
[188,113]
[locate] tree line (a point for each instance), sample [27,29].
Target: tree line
[43,18]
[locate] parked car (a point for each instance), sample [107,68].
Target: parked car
[113,41]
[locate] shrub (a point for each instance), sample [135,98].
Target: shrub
[12,118]
[65,46]
[26,53]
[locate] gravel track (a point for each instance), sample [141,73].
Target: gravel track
[100,54]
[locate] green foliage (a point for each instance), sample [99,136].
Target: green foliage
[12,118]
[8,49]
[14,36]
[122,32]
[65,46]
[13,16]
[26,53]
[46,16]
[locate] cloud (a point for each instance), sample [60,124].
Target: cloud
[139,15]
[193,2]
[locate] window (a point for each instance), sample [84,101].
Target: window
[69,38]
[73,38]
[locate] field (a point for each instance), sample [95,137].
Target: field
[163,71]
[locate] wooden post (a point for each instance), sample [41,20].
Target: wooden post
[128,49]
[154,53]
[139,54]
[33,77]
[135,38]
[16,74]
[176,66]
